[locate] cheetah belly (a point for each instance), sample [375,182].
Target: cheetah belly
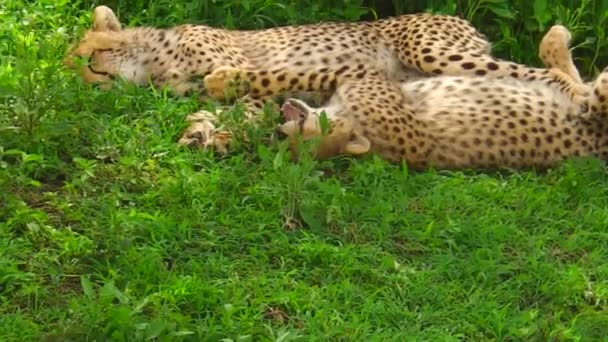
[489,122]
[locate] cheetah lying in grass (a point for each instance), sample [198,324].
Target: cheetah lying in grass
[311,58]
[458,121]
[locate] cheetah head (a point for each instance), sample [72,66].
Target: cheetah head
[103,50]
[303,121]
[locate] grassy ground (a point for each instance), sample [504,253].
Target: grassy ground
[108,230]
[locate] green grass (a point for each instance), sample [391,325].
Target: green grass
[109,231]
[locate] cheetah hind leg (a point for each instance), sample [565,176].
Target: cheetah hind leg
[457,62]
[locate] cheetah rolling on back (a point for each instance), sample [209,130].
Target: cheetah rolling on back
[318,57]
[460,122]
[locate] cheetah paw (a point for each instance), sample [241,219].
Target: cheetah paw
[557,38]
[554,51]
[203,133]
[225,83]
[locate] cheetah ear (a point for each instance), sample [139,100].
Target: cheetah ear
[357,144]
[104,19]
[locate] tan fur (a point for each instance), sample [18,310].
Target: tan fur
[318,57]
[462,122]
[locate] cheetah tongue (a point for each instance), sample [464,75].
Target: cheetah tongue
[291,112]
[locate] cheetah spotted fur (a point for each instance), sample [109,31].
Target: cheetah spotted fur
[319,57]
[452,122]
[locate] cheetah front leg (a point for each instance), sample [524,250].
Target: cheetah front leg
[226,83]
[267,83]
[205,130]
[554,51]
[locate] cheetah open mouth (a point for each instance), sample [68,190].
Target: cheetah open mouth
[293,110]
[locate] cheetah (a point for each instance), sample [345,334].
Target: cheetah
[459,122]
[320,57]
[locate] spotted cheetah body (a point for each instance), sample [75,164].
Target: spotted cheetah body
[459,121]
[314,58]
[397,47]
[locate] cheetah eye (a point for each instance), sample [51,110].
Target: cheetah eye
[90,61]
[102,73]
